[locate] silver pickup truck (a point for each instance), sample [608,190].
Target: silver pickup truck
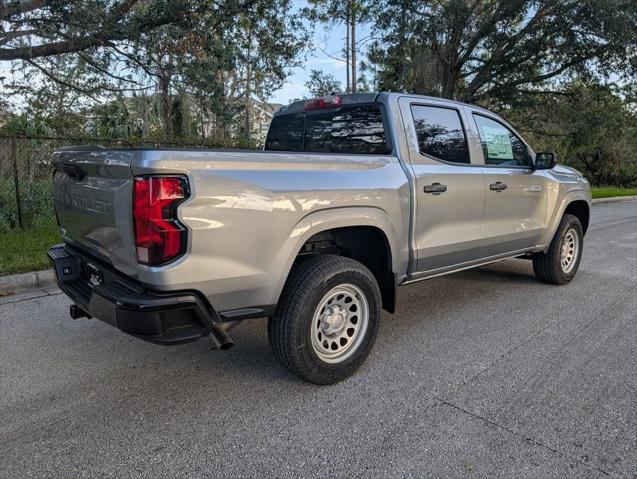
[353,196]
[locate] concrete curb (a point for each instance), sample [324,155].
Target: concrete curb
[614,199]
[46,278]
[24,281]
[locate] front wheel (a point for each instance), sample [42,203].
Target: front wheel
[327,319]
[560,263]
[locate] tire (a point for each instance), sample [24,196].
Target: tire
[326,348]
[554,267]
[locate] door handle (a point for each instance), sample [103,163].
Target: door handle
[497,186]
[435,189]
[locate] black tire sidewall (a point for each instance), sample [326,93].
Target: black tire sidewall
[568,222]
[305,359]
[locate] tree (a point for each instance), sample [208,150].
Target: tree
[322,84]
[211,60]
[589,125]
[485,50]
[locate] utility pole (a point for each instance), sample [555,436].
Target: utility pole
[353,19]
[347,51]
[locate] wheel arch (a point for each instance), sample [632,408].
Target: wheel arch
[575,202]
[581,210]
[361,233]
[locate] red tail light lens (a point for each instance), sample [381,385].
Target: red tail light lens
[159,237]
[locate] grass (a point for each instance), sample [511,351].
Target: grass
[610,192]
[24,251]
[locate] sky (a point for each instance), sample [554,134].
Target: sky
[326,39]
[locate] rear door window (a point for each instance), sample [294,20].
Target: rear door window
[349,129]
[440,133]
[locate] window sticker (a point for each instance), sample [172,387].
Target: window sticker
[498,143]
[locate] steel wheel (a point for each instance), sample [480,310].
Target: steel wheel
[339,323]
[569,250]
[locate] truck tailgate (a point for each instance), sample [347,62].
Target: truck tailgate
[93,190]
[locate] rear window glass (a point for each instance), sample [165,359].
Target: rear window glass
[440,133]
[286,133]
[349,129]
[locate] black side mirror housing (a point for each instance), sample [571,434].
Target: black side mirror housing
[545,161]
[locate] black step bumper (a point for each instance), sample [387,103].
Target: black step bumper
[162,318]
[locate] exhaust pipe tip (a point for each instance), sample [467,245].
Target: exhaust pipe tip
[220,337]
[76,312]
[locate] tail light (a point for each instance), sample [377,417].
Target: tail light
[159,237]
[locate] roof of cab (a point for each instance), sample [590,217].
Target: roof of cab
[346,99]
[353,98]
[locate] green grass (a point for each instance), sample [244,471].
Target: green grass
[611,191]
[24,251]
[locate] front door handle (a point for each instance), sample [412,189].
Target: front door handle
[435,189]
[497,186]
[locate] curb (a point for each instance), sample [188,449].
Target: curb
[45,278]
[23,281]
[614,199]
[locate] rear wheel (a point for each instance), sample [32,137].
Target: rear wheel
[561,262]
[327,319]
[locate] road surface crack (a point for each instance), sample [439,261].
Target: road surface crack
[524,437]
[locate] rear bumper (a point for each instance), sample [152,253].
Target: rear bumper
[162,318]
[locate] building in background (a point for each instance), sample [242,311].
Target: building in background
[261,115]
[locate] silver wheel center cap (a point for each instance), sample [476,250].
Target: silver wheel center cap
[333,321]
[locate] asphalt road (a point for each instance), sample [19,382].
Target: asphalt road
[482,374]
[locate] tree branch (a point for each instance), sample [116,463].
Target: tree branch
[484,75]
[18,7]
[107,33]
[50,75]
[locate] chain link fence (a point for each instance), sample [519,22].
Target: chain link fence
[26,174]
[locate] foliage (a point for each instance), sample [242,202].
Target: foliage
[141,72]
[40,29]
[491,50]
[589,125]
[190,61]
[322,84]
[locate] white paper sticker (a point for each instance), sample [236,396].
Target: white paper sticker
[498,143]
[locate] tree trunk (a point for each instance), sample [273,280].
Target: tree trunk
[247,105]
[166,106]
[450,73]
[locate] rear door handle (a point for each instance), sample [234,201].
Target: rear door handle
[435,189]
[497,186]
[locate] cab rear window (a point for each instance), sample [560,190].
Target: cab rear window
[286,133]
[349,129]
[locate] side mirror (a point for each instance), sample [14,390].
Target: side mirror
[545,161]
